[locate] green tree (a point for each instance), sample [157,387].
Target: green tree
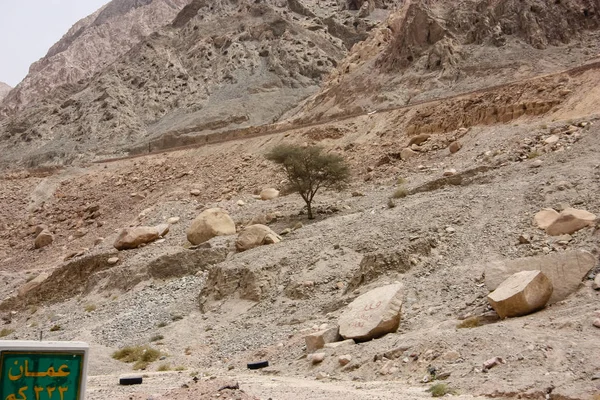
[309,169]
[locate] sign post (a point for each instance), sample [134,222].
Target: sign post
[43,370]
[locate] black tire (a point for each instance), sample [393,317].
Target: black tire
[132,380]
[258,365]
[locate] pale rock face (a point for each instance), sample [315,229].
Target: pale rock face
[210,223]
[318,340]
[373,314]
[131,238]
[564,270]
[520,294]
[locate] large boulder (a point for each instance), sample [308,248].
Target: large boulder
[131,238]
[45,238]
[210,223]
[254,236]
[520,294]
[565,271]
[373,314]
[569,221]
[269,194]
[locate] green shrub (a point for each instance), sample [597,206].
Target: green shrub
[164,367]
[400,192]
[90,307]
[5,332]
[472,322]
[131,354]
[440,390]
[156,338]
[55,328]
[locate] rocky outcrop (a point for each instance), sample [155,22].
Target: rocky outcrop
[254,236]
[131,238]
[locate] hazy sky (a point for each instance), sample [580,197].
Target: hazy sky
[28,29]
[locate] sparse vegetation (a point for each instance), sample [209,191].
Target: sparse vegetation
[164,367]
[533,154]
[400,181]
[391,203]
[188,351]
[162,324]
[142,356]
[309,169]
[472,322]
[400,193]
[156,338]
[440,390]
[55,328]
[5,332]
[89,308]
[180,368]
[176,317]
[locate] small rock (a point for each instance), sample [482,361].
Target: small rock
[98,240]
[343,343]
[79,233]
[537,164]
[450,229]
[254,236]
[269,194]
[317,340]
[450,172]
[241,203]
[321,375]
[597,323]
[569,221]
[545,218]
[316,358]
[195,192]
[455,146]
[344,359]
[210,223]
[131,238]
[173,220]
[286,231]
[525,239]
[44,239]
[552,139]
[357,194]
[112,260]
[39,229]
[418,139]
[492,362]
[596,283]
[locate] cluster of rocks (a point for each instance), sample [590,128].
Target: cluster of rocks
[558,139]
[567,222]
[425,142]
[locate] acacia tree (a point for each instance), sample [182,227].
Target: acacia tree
[309,169]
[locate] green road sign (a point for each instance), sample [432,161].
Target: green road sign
[41,375]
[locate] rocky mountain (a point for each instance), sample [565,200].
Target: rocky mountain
[4,89]
[92,44]
[431,47]
[218,65]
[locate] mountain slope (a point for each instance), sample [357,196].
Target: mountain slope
[437,47]
[91,44]
[218,65]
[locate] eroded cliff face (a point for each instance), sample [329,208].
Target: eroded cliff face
[91,44]
[4,89]
[215,65]
[430,47]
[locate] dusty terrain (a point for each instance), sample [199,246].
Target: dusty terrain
[4,89]
[528,144]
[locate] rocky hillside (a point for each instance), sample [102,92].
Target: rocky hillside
[431,47]
[4,89]
[92,44]
[217,65]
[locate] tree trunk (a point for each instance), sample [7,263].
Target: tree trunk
[310,213]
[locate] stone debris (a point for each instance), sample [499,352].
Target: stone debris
[209,224]
[373,314]
[521,294]
[163,229]
[173,220]
[407,154]
[316,358]
[344,359]
[455,146]
[254,236]
[545,218]
[492,362]
[112,260]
